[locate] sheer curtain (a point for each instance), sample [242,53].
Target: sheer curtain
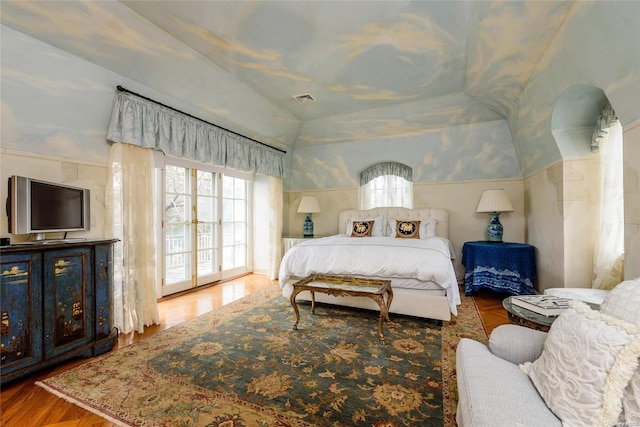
[129,217]
[275,226]
[609,254]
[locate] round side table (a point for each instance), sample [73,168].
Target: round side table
[527,318]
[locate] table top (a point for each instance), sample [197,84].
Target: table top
[350,284]
[528,315]
[499,245]
[532,316]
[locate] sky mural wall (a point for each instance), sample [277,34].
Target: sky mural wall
[56,100]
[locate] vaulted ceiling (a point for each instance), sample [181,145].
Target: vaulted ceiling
[407,64]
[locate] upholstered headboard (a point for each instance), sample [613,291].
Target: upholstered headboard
[440,215]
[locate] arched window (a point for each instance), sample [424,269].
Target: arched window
[386,184]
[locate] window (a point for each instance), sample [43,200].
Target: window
[234,223]
[386,184]
[205,227]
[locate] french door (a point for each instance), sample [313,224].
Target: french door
[205,227]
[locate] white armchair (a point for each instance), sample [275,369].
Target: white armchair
[494,389]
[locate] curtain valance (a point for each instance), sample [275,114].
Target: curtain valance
[387,168]
[606,118]
[139,122]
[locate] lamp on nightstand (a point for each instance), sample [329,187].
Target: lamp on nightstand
[308,205]
[494,202]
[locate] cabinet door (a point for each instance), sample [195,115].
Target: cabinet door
[21,311]
[67,300]
[104,279]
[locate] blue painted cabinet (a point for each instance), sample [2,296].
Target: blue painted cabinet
[55,304]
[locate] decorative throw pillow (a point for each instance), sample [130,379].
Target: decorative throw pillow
[428,228]
[631,400]
[377,229]
[623,302]
[408,229]
[361,228]
[587,362]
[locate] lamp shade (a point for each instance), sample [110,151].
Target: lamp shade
[494,201]
[308,204]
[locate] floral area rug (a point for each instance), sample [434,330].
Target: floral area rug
[243,365]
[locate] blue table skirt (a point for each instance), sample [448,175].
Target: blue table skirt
[502,267]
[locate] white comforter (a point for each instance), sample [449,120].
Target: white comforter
[428,260]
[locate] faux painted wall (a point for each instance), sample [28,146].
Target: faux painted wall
[57,106]
[559,196]
[54,169]
[632,200]
[455,154]
[596,47]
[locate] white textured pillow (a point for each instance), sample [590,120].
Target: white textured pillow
[427,228]
[623,302]
[631,400]
[378,225]
[587,362]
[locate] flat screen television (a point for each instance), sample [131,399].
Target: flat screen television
[36,207]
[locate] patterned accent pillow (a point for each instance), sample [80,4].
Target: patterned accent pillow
[408,229]
[427,228]
[588,360]
[361,228]
[378,229]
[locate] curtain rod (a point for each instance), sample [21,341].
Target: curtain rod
[122,89]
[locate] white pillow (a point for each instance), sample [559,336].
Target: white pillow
[427,228]
[587,362]
[378,225]
[631,400]
[623,302]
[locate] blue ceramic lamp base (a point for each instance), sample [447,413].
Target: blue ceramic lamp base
[307,226]
[494,229]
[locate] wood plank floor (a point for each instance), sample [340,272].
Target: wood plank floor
[23,404]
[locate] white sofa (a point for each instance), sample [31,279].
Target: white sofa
[494,389]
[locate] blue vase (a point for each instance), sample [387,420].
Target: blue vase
[308,226]
[494,229]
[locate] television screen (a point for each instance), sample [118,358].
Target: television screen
[55,207]
[37,207]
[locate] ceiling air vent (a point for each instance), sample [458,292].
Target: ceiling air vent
[304,98]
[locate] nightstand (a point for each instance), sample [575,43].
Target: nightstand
[290,241]
[501,267]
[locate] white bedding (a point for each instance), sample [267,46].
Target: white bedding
[426,260]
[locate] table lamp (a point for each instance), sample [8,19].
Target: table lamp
[494,202]
[308,205]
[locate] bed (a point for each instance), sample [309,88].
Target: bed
[420,269]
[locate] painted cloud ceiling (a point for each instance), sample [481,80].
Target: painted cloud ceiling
[401,65]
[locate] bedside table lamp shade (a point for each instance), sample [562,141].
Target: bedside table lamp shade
[494,202]
[308,205]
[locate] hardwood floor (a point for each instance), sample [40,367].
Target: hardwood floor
[23,404]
